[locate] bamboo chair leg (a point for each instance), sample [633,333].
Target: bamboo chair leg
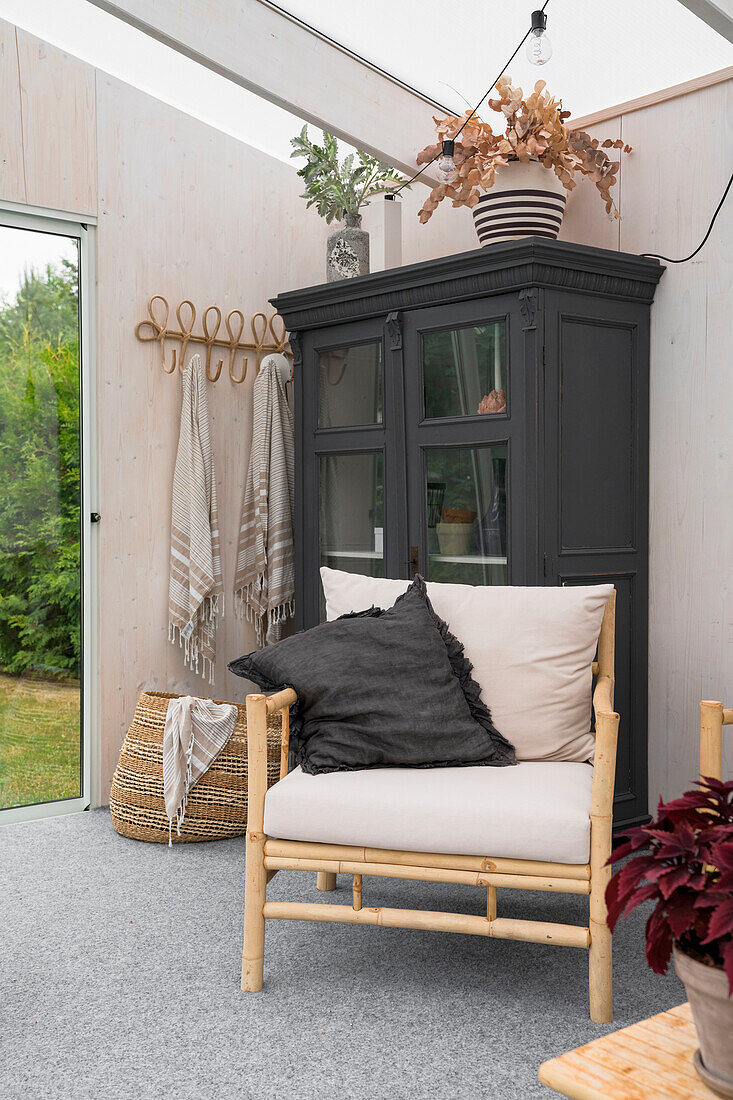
[326,881]
[600,964]
[357,892]
[253,954]
[255,881]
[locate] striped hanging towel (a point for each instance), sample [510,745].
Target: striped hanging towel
[196,730]
[264,585]
[195,593]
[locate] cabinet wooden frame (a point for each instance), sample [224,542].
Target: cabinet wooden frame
[267,856]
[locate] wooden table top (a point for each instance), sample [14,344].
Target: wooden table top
[651,1060]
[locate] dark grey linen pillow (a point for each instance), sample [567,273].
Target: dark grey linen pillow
[380,688]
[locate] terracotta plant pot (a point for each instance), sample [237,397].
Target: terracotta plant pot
[458,515]
[712,1011]
[526,200]
[454,539]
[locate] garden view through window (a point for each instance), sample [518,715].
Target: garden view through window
[40,518]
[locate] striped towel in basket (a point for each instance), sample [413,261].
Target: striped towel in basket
[196,730]
[196,593]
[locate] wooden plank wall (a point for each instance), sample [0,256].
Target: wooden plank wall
[12,167]
[187,212]
[669,188]
[48,132]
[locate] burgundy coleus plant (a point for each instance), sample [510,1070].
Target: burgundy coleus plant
[683,861]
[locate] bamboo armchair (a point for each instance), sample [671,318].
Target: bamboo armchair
[265,857]
[713,716]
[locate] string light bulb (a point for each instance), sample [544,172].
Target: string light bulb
[539,47]
[446,166]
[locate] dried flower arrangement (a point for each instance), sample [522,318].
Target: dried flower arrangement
[535,130]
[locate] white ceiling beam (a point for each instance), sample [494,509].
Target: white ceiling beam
[274,55]
[718,14]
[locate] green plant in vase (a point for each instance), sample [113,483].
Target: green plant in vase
[339,190]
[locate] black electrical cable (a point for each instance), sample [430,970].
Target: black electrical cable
[656,256]
[503,69]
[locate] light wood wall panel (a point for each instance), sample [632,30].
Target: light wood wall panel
[59,128]
[585,206]
[449,230]
[669,187]
[12,179]
[193,214]
[687,150]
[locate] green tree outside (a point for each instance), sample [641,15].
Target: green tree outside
[40,533]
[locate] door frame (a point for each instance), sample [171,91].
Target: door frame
[61,223]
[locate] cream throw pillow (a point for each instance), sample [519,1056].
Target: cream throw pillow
[531,650]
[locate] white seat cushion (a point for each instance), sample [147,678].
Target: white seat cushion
[531,651]
[536,810]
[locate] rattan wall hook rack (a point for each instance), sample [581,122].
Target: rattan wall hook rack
[268,336]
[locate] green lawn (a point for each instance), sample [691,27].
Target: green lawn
[39,741]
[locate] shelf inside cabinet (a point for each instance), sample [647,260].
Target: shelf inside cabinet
[371,555]
[468,559]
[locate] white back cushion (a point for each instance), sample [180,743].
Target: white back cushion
[531,650]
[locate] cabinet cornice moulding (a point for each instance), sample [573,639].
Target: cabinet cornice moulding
[502,268]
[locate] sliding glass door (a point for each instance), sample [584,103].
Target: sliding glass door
[43,757]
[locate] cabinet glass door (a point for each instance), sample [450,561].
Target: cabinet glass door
[464,370]
[351,512]
[348,411]
[463,381]
[466,512]
[350,385]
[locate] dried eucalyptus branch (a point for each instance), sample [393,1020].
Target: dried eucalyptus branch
[535,129]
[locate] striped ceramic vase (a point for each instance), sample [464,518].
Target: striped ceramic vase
[526,200]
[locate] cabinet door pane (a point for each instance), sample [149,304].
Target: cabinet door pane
[350,385]
[465,370]
[351,504]
[465,497]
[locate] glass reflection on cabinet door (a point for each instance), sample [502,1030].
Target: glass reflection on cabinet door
[350,385]
[351,512]
[465,370]
[466,514]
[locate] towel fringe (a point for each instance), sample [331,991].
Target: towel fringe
[193,658]
[248,607]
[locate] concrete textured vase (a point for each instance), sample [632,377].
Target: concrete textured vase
[347,251]
[712,1011]
[526,200]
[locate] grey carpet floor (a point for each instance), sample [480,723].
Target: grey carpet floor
[119,968]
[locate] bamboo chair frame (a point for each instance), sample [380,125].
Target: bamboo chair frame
[713,716]
[265,857]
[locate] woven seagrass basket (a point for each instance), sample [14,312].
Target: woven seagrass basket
[217,803]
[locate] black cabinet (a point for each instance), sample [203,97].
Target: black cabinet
[483,418]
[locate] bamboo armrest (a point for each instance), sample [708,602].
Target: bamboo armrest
[280,700]
[603,699]
[604,766]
